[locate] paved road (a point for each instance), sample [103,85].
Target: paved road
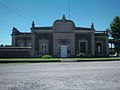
[61,76]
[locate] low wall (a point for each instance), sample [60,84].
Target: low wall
[14,52]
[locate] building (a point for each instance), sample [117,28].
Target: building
[62,39]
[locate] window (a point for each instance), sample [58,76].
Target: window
[21,43]
[28,44]
[44,48]
[98,48]
[83,47]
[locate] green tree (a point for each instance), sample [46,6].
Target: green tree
[115,32]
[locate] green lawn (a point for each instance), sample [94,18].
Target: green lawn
[115,58]
[52,59]
[28,59]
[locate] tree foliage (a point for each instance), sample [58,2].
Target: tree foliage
[115,28]
[115,32]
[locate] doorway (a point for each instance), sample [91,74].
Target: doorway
[63,51]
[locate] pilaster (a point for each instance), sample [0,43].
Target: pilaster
[13,41]
[33,44]
[92,44]
[107,46]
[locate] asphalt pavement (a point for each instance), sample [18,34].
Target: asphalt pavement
[61,76]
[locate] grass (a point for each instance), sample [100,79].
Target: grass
[110,58]
[27,59]
[54,59]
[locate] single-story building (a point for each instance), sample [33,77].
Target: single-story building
[62,39]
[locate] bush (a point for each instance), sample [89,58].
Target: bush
[47,56]
[81,55]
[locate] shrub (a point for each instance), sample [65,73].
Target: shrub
[47,56]
[81,55]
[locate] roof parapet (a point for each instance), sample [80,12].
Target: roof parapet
[15,31]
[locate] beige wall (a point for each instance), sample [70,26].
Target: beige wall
[56,44]
[64,27]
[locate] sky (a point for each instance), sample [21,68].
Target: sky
[21,13]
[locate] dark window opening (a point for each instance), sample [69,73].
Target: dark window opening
[83,47]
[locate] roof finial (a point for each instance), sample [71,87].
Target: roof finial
[63,16]
[92,26]
[33,24]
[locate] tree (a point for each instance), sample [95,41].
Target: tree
[115,32]
[1,45]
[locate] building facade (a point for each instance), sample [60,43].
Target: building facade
[62,39]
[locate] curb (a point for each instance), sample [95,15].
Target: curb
[62,60]
[29,61]
[97,60]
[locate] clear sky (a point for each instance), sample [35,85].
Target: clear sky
[21,13]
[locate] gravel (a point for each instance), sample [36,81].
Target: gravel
[61,76]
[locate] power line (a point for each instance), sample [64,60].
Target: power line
[69,8]
[17,13]
[3,33]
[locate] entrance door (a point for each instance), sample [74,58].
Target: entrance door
[63,51]
[44,48]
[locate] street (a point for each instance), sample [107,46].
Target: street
[61,76]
